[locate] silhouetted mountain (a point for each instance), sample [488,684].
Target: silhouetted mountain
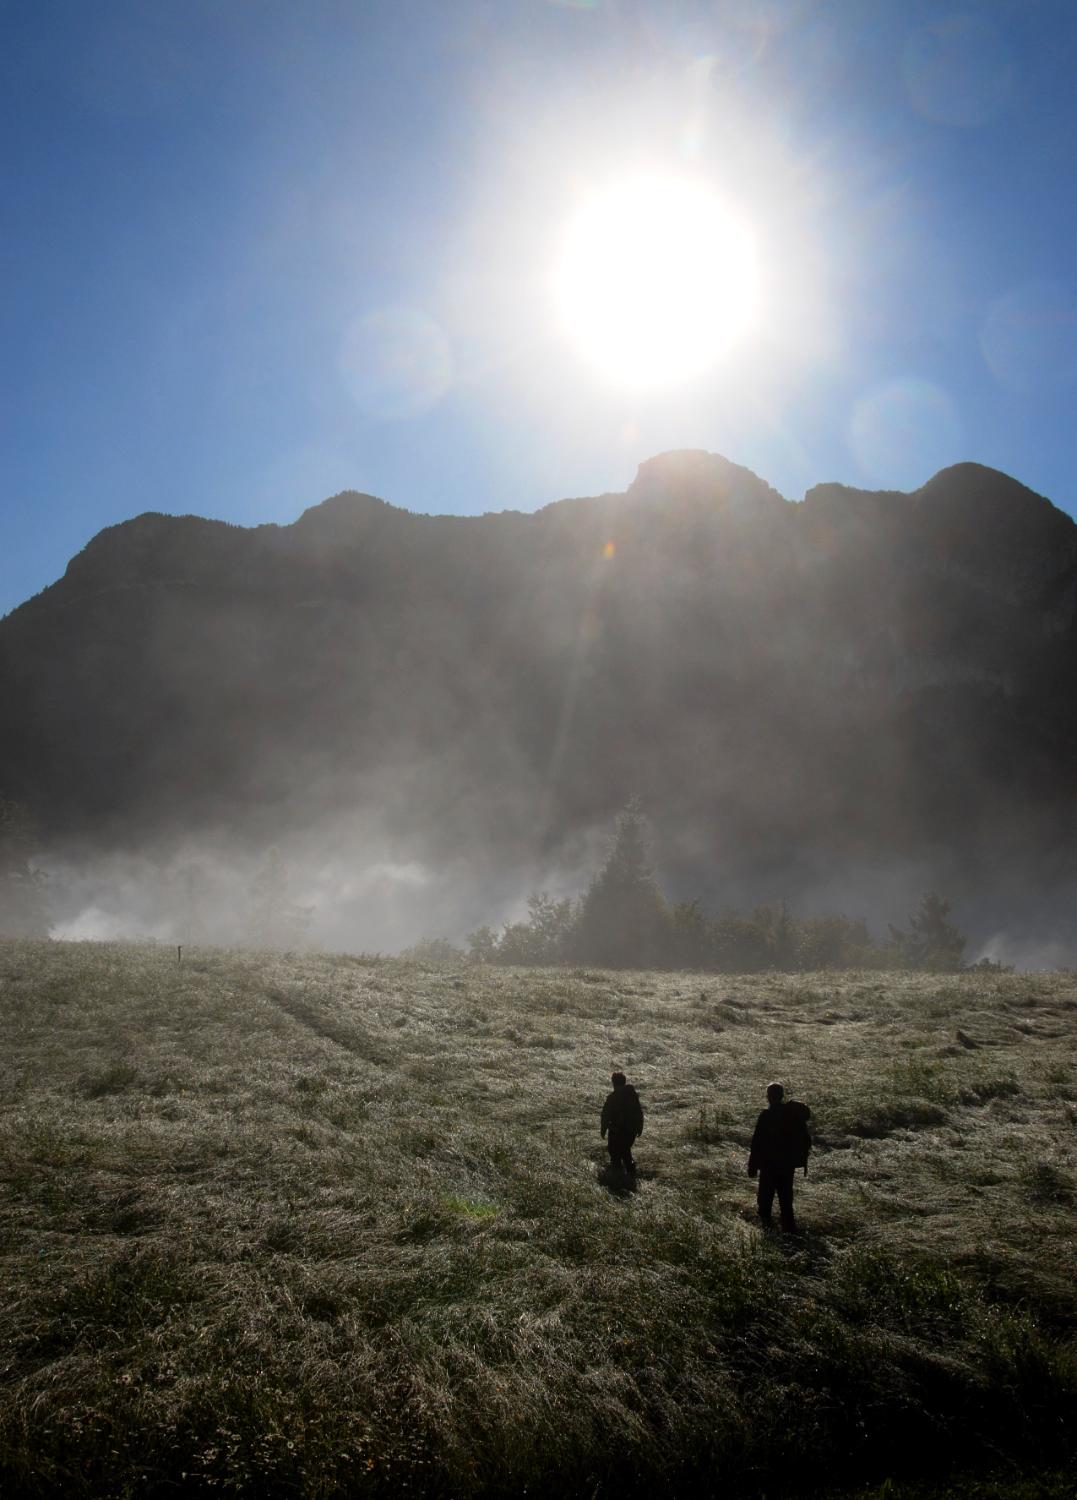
[799,692]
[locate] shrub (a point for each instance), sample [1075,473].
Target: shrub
[434,950]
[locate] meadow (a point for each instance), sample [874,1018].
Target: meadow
[326,1225]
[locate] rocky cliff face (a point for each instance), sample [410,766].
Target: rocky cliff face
[795,690]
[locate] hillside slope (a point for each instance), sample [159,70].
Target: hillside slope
[339,1226]
[799,692]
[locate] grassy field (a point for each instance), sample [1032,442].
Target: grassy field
[325,1225]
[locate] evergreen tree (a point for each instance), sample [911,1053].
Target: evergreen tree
[624,920]
[931,942]
[24,905]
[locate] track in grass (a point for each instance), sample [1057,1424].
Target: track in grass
[313,1225]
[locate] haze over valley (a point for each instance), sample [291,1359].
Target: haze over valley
[837,704]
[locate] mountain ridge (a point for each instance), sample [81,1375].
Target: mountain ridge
[807,687]
[694,474]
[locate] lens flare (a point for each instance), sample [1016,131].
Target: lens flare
[958,70]
[395,362]
[1029,337]
[902,432]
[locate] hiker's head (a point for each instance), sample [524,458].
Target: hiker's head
[618,1080]
[775,1093]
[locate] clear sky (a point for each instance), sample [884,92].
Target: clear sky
[256,252]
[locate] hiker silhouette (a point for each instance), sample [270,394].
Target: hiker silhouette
[780,1144]
[622,1122]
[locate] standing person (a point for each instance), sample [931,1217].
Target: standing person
[780,1144]
[622,1122]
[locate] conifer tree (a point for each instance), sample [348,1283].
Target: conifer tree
[624,920]
[931,942]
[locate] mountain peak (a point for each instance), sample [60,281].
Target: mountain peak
[977,493]
[340,525]
[345,510]
[694,475]
[151,546]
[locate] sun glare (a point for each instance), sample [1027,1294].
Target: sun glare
[656,280]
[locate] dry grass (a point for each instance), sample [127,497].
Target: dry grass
[332,1226]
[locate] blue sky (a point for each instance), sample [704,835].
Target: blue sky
[255,253]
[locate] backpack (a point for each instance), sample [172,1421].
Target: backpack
[628,1111]
[795,1135]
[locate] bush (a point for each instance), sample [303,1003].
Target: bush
[545,938]
[434,950]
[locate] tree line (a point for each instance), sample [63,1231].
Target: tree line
[623,920]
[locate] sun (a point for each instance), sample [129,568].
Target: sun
[656,280]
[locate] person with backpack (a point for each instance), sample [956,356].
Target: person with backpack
[780,1144]
[622,1122]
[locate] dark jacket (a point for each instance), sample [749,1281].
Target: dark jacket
[622,1108]
[781,1138]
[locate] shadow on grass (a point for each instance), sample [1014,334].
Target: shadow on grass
[809,1243]
[810,1250]
[620,1184]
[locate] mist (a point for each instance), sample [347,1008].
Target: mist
[370,897]
[838,704]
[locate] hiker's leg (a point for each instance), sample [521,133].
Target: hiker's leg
[784,1185]
[629,1163]
[764,1197]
